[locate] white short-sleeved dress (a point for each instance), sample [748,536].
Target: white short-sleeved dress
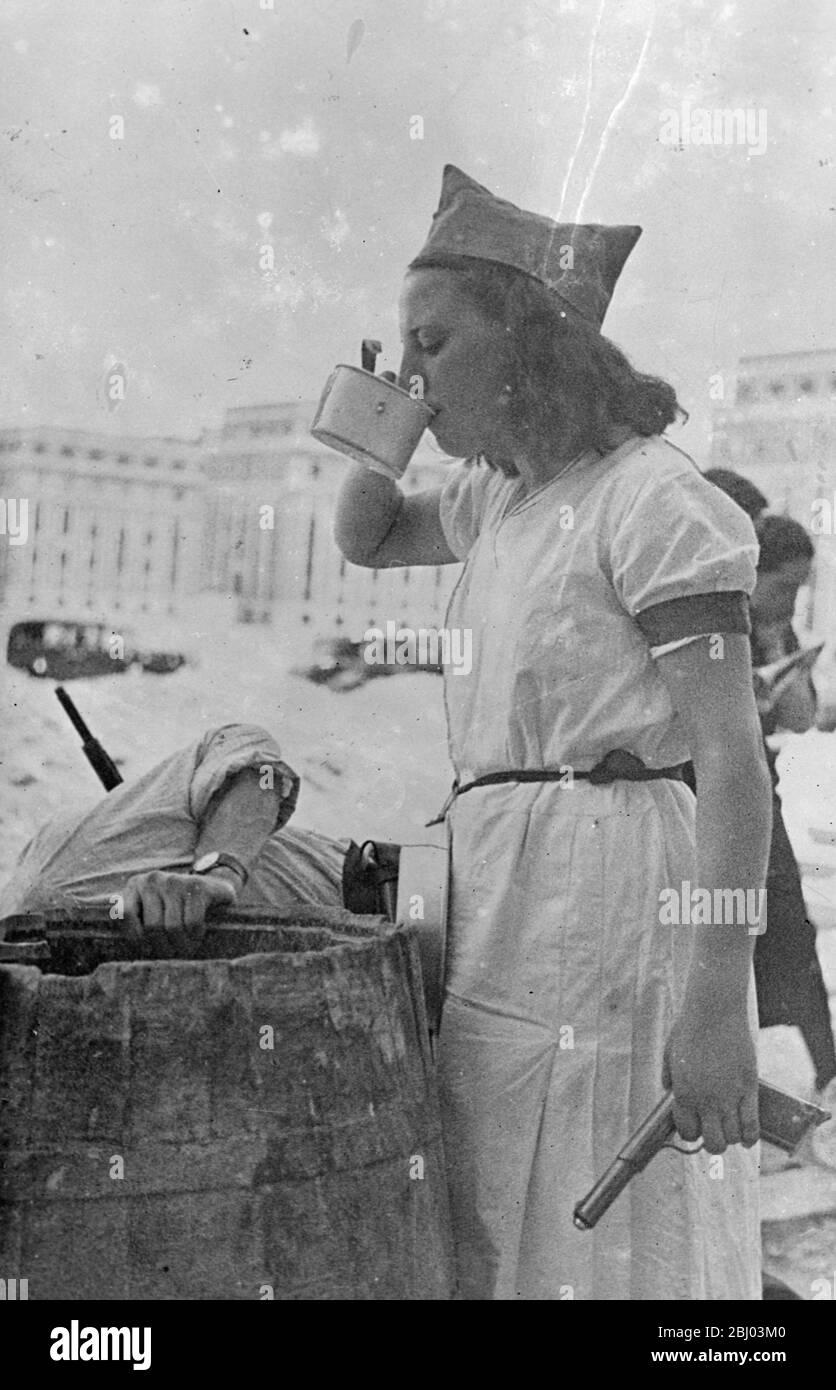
[562,984]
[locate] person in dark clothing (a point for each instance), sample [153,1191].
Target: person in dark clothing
[788,975]
[789,981]
[740,490]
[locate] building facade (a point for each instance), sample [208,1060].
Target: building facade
[113,525]
[781,434]
[268,541]
[135,529]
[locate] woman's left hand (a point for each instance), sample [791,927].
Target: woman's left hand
[710,1064]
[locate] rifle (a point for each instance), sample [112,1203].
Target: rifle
[100,761]
[772,681]
[784,1121]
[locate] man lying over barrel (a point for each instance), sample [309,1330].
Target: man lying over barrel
[207,825]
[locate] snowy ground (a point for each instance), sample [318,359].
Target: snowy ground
[373,763]
[372,760]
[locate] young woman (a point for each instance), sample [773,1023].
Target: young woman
[605,587]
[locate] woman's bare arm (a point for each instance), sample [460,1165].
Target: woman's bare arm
[378,527]
[711,1060]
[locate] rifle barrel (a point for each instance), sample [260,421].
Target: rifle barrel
[98,758]
[72,713]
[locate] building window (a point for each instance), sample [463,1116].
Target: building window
[150,462]
[777,388]
[67,452]
[39,448]
[95,454]
[179,465]
[745,391]
[124,458]
[807,385]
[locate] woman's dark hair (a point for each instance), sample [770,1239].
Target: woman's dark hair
[739,489]
[782,540]
[570,386]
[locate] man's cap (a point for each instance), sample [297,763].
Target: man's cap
[578,262]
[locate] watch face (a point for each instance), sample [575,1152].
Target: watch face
[205,862]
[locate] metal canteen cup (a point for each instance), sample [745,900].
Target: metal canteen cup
[370,419]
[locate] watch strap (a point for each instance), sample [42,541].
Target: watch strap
[220,860]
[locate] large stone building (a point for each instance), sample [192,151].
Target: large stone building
[269,521]
[136,529]
[113,525]
[781,434]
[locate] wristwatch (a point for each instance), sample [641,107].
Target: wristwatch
[215,860]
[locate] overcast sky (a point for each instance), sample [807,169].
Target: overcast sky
[245,126]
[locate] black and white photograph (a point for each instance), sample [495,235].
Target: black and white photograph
[418,633]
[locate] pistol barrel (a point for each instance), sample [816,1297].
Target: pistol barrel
[588,1212]
[641,1147]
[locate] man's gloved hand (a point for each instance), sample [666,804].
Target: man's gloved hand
[160,899]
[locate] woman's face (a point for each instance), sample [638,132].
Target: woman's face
[461,358]
[775,593]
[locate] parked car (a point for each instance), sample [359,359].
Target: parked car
[63,648]
[338,663]
[341,664]
[160,663]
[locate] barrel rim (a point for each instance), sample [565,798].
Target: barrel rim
[351,933]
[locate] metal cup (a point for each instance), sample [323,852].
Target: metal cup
[370,419]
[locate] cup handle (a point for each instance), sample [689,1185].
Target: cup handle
[370,349]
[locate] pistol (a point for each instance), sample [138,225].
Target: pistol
[784,1121]
[100,760]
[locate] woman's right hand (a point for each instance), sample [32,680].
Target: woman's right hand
[710,1064]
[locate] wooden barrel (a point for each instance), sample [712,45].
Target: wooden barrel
[258,1120]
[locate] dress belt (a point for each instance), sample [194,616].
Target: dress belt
[617,765]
